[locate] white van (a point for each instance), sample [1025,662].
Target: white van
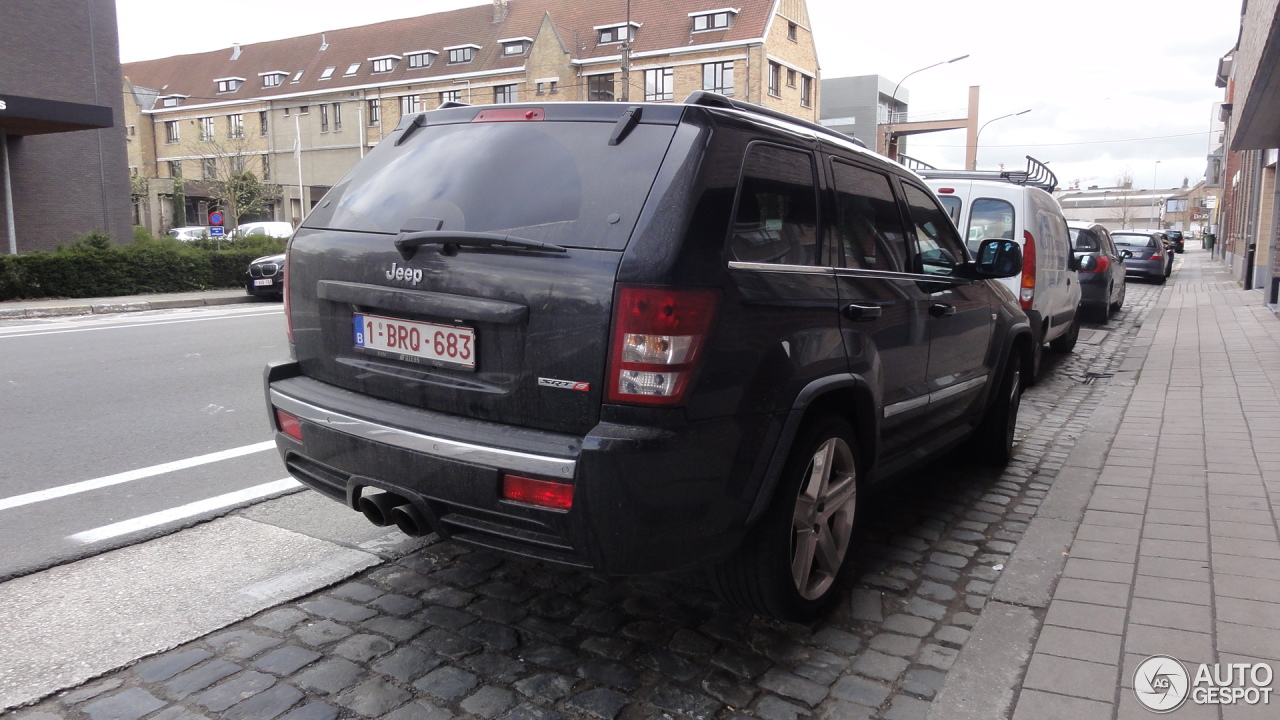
[1018,206]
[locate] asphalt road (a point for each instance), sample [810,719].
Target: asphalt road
[118,428]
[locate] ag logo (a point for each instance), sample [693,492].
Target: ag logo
[1161,684]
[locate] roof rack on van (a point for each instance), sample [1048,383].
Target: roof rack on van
[911,163]
[1037,175]
[710,99]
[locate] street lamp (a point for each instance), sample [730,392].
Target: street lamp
[1154,174]
[893,99]
[984,125]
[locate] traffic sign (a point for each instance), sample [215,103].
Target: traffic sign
[215,218]
[217,231]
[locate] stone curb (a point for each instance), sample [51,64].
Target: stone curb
[119,307]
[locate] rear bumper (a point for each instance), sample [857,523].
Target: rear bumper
[1144,268]
[646,499]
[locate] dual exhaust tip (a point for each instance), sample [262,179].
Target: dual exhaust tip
[384,508]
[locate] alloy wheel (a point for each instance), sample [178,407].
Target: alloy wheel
[822,523]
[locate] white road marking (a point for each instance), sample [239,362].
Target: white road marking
[131,475]
[14,332]
[184,511]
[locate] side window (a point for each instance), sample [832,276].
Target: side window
[990,219]
[938,247]
[1086,241]
[868,224]
[777,209]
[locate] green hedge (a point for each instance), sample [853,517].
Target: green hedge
[94,268]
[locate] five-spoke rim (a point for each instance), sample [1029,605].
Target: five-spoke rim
[822,523]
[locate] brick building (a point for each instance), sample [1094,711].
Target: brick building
[301,111]
[63,170]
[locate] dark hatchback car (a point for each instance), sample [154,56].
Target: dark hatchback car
[265,277]
[1150,258]
[639,338]
[1102,270]
[1176,241]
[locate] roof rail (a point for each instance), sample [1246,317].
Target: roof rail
[911,163]
[706,98]
[1036,175]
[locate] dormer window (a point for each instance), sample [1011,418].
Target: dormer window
[351,69]
[706,20]
[274,78]
[384,63]
[297,77]
[462,53]
[615,33]
[328,72]
[421,58]
[172,100]
[515,46]
[229,85]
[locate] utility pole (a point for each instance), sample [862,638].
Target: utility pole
[626,59]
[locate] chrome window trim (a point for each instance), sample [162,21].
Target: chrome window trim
[778,267]
[426,444]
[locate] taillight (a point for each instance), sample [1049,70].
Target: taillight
[1157,255]
[658,336]
[1104,262]
[288,316]
[1028,293]
[289,425]
[543,493]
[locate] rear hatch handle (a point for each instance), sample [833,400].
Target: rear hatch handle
[450,240]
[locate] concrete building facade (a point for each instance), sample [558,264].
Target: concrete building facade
[63,170]
[857,105]
[300,111]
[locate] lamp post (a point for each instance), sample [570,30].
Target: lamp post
[893,99]
[1154,200]
[984,125]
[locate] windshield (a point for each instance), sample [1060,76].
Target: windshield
[557,182]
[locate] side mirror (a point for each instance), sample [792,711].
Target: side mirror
[1125,255]
[1086,263]
[1074,262]
[997,258]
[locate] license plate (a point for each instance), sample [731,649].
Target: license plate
[412,341]
[262,282]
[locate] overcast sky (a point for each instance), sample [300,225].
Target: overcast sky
[1112,85]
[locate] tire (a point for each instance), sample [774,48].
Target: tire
[813,508]
[1115,306]
[1160,280]
[993,442]
[1066,342]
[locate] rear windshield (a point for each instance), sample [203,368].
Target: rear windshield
[1133,240]
[557,182]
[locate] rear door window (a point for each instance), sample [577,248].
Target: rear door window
[938,248]
[1085,241]
[868,224]
[557,182]
[989,218]
[776,220]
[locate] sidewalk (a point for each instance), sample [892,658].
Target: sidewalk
[50,307]
[1174,547]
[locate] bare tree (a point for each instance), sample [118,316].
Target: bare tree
[1125,208]
[234,179]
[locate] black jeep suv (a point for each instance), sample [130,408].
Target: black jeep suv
[636,338]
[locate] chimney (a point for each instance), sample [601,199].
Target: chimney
[235,51]
[324,43]
[499,10]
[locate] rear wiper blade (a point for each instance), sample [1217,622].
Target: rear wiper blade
[450,240]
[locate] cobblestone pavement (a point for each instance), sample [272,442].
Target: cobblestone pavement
[453,632]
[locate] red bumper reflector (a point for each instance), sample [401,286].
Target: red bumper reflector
[289,425]
[543,493]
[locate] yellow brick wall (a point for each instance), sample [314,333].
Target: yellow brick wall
[800,54]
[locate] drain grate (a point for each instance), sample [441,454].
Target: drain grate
[1093,378]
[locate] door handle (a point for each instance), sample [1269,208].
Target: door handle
[861,313]
[942,310]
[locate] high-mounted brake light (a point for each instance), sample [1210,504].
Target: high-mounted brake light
[510,115]
[289,425]
[1028,293]
[543,493]
[946,191]
[658,336]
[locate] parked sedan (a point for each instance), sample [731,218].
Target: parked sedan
[266,276]
[1150,258]
[1102,270]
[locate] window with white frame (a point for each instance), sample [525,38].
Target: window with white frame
[328,72]
[175,168]
[172,131]
[515,46]
[450,96]
[793,32]
[718,77]
[262,121]
[614,34]
[209,168]
[324,118]
[775,79]
[716,20]
[420,59]
[806,91]
[791,77]
[273,79]
[206,129]
[410,105]
[659,84]
[337,117]
[384,64]
[172,100]
[600,88]
[504,93]
[236,163]
[229,85]
[235,126]
[462,54]
[352,69]
[375,112]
